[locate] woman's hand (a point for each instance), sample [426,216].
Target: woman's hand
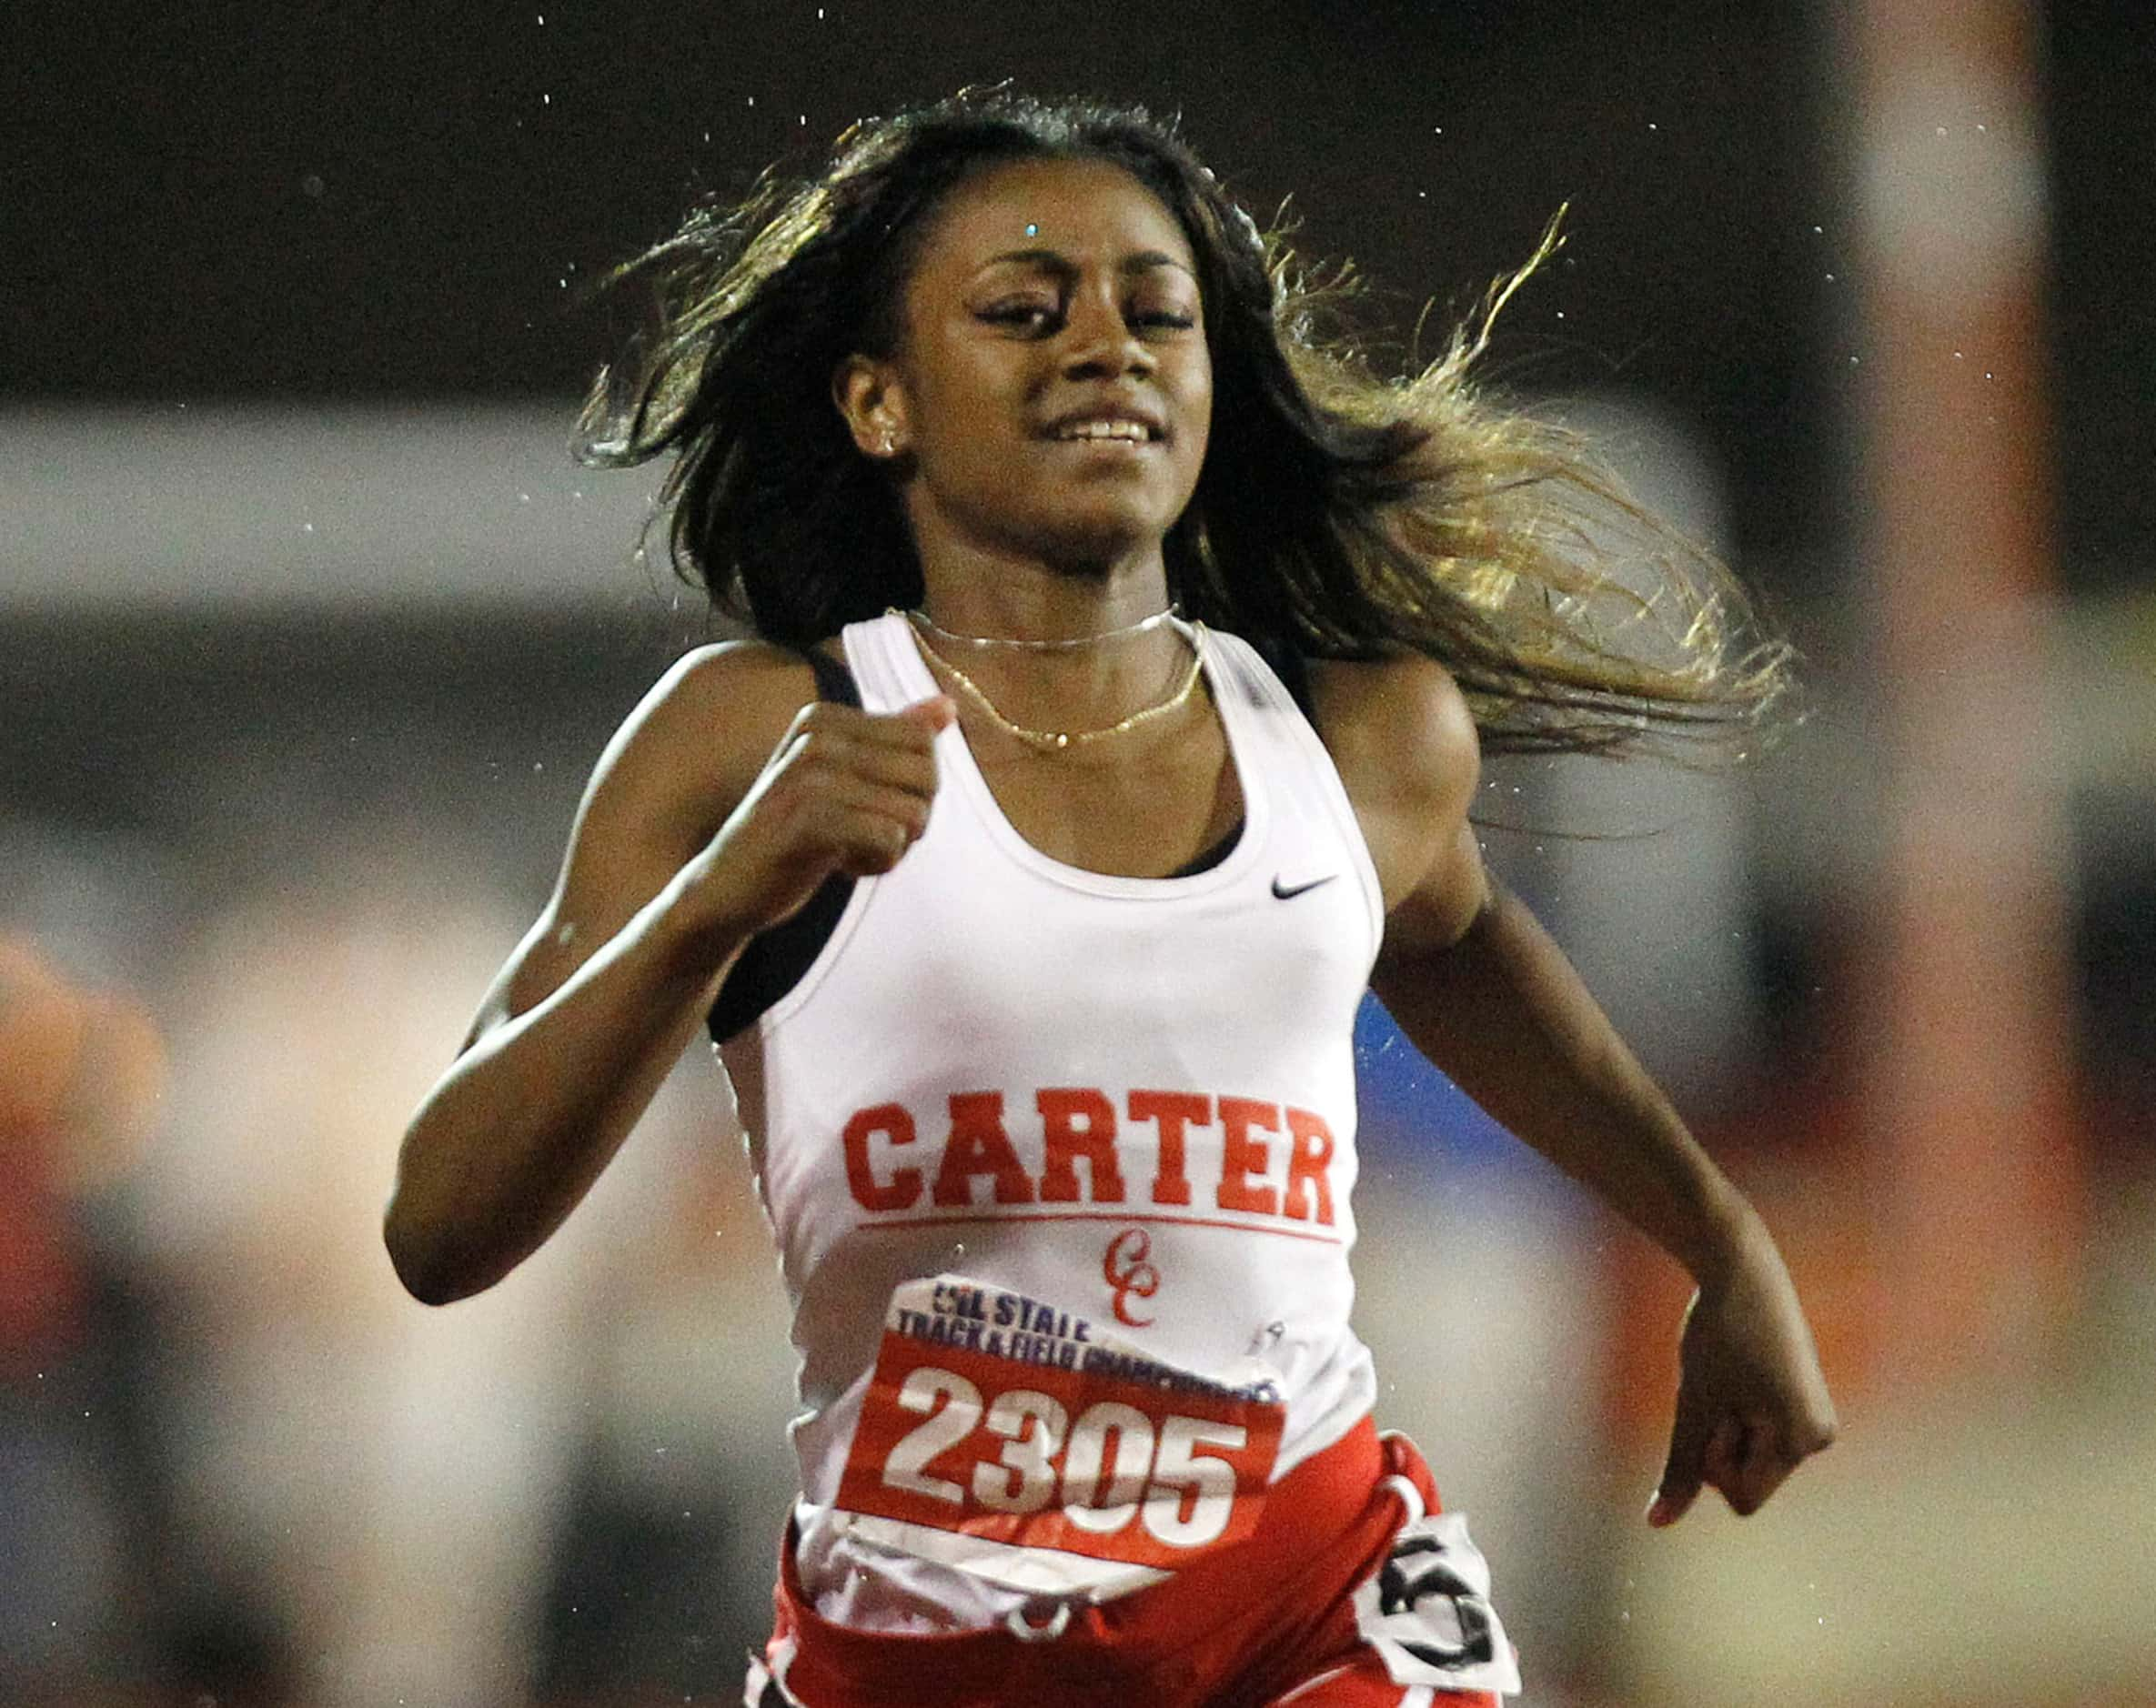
[1751,1403]
[845,790]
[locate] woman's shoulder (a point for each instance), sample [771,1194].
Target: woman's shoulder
[728,682]
[1402,739]
[1401,721]
[705,729]
[738,674]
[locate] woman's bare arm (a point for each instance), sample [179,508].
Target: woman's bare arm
[721,804]
[1483,990]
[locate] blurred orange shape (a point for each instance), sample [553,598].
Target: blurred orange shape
[112,1097]
[41,1023]
[81,1072]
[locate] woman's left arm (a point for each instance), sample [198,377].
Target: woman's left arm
[1485,992]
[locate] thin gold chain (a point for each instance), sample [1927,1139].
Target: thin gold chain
[1063,740]
[1019,643]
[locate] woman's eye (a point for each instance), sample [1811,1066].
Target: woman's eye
[1026,316]
[1044,319]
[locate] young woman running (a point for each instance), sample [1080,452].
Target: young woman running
[1124,658]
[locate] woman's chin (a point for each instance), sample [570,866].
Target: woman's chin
[1102,541]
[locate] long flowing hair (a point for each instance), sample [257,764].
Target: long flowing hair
[1340,513]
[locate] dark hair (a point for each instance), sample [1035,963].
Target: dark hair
[1338,515]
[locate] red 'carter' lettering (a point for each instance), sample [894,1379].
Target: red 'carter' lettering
[905,1186]
[1078,1123]
[1309,1162]
[1241,1156]
[1173,1111]
[979,1145]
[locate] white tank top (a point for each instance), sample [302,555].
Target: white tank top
[1130,1100]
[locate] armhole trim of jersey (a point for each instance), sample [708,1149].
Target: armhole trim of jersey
[775,961]
[1289,687]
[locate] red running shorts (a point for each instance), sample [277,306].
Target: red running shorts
[1340,1598]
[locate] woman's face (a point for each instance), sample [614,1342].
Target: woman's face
[1051,387]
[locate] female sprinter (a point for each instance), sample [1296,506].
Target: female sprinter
[1124,659]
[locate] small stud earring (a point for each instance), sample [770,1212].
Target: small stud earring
[884,445]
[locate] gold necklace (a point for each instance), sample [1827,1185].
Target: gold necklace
[1063,740]
[1144,625]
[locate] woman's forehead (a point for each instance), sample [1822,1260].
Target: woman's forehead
[1071,208]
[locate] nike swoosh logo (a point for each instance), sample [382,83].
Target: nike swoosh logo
[1295,890]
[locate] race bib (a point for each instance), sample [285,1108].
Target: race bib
[1427,1611]
[1023,1445]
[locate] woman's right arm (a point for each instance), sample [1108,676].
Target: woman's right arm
[722,803]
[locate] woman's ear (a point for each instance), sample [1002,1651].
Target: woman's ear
[871,397]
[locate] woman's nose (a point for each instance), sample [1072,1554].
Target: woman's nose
[1101,343]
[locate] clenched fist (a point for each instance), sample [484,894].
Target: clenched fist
[845,790]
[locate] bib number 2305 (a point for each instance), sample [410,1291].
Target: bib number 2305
[1102,1470]
[1047,1457]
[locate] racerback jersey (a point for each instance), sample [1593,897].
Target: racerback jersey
[1126,1104]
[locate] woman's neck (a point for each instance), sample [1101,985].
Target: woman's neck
[1121,664]
[1007,600]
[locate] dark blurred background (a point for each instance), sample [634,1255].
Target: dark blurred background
[309,632]
[315,204]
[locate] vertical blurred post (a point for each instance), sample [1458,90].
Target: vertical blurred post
[1968,1099]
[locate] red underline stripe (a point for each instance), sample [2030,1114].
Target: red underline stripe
[1097,1215]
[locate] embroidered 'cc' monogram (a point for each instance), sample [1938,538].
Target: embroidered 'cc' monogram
[1125,1269]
